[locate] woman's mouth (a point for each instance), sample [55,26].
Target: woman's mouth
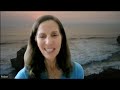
[50,50]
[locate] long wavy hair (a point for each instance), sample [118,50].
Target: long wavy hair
[33,57]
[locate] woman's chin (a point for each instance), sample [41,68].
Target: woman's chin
[50,58]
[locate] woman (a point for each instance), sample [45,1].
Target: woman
[47,55]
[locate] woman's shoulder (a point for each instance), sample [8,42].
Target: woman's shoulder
[22,74]
[78,71]
[77,65]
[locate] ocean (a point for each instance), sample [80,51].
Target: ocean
[90,47]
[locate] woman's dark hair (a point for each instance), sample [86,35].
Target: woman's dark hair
[35,60]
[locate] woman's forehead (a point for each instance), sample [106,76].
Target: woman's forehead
[48,25]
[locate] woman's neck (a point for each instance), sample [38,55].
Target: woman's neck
[53,71]
[50,64]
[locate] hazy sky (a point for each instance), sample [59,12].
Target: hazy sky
[27,18]
[74,22]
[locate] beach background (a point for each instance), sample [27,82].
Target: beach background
[91,37]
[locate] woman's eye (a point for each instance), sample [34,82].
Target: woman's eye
[42,36]
[54,35]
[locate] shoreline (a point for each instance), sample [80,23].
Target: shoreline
[108,72]
[97,67]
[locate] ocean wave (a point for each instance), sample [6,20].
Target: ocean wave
[95,67]
[75,38]
[13,42]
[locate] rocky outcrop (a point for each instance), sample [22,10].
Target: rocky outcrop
[118,39]
[109,73]
[18,62]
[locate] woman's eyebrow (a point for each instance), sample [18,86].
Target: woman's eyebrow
[55,31]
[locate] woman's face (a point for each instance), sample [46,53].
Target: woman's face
[49,39]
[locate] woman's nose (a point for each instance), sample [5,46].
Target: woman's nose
[48,41]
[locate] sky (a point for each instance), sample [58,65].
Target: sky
[25,19]
[21,18]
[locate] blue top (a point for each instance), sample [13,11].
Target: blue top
[77,73]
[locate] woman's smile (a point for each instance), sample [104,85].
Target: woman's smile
[49,50]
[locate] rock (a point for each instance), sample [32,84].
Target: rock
[109,73]
[118,39]
[18,62]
